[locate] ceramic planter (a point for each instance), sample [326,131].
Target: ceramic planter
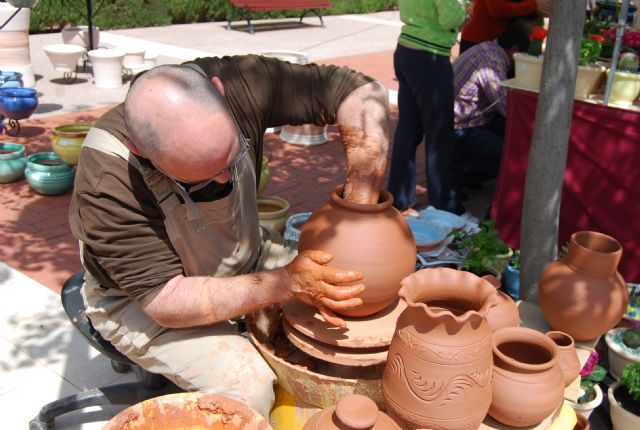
[567,356]
[528,70]
[107,67]
[67,141]
[625,88]
[512,281]
[619,354]
[48,174]
[582,294]
[621,418]
[18,103]
[133,58]
[306,134]
[587,80]
[12,162]
[11,80]
[439,365]
[273,212]
[15,53]
[23,3]
[361,237]
[586,408]
[64,58]
[528,384]
[79,35]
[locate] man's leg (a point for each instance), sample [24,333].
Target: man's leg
[478,155]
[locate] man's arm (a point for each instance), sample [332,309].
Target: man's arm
[201,300]
[363,122]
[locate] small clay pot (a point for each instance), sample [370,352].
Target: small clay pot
[567,355]
[505,313]
[528,384]
[351,412]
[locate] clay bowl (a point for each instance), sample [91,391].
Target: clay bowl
[188,411]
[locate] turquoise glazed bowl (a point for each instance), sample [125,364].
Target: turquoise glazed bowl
[48,174]
[12,162]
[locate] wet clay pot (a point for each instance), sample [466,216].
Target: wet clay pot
[528,384]
[582,294]
[567,355]
[505,313]
[352,412]
[188,411]
[373,239]
[439,365]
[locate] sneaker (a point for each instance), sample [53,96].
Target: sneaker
[411,212]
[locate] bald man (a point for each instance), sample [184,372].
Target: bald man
[165,209]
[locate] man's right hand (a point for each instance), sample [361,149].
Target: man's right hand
[544,7]
[315,283]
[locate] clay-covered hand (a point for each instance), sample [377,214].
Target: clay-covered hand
[544,7]
[315,283]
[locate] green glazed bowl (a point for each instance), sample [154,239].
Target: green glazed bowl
[12,162]
[48,174]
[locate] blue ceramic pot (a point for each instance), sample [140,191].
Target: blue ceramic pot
[48,174]
[512,281]
[18,103]
[12,162]
[10,80]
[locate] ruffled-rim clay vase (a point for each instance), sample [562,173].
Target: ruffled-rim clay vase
[582,294]
[439,364]
[567,355]
[528,384]
[350,413]
[373,239]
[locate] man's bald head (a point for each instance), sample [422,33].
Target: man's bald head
[165,97]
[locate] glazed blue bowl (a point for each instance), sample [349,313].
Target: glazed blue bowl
[18,103]
[11,80]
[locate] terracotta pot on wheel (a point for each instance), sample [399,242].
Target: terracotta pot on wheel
[373,239]
[439,365]
[582,294]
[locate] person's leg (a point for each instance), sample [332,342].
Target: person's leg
[478,156]
[408,135]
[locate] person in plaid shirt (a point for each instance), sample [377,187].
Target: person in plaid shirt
[480,104]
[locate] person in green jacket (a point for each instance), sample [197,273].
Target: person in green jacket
[425,101]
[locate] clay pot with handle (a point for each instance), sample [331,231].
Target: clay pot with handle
[567,355]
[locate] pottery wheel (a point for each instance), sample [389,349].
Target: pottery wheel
[373,331]
[335,354]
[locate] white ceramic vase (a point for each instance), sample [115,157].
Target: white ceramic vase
[528,70]
[619,355]
[587,80]
[585,409]
[63,57]
[107,67]
[621,418]
[80,36]
[14,42]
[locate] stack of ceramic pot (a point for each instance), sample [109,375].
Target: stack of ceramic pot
[14,42]
[373,239]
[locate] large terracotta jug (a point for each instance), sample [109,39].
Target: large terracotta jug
[528,384]
[373,239]
[439,365]
[582,294]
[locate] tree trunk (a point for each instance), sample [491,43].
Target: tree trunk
[550,142]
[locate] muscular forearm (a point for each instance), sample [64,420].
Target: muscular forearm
[363,123]
[201,300]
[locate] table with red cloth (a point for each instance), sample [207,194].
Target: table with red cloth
[601,190]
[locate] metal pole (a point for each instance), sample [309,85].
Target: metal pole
[90,21]
[622,22]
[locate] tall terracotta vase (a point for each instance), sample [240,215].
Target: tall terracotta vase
[582,294]
[528,384]
[373,239]
[439,365]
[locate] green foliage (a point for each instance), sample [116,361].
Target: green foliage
[631,338]
[589,51]
[482,248]
[515,260]
[588,383]
[52,15]
[535,48]
[631,379]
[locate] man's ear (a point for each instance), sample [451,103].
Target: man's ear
[218,84]
[133,148]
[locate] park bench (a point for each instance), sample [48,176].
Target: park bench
[246,7]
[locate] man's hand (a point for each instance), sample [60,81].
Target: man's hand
[544,7]
[315,283]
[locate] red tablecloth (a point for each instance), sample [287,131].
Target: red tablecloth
[601,184]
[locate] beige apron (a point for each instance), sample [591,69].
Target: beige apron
[218,238]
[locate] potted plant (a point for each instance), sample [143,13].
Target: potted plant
[624,348]
[484,252]
[626,80]
[512,275]
[528,67]
[591,375]
[624,398]
[589,73]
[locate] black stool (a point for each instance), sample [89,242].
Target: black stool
[149,384]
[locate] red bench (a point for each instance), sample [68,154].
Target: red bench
[246,7]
